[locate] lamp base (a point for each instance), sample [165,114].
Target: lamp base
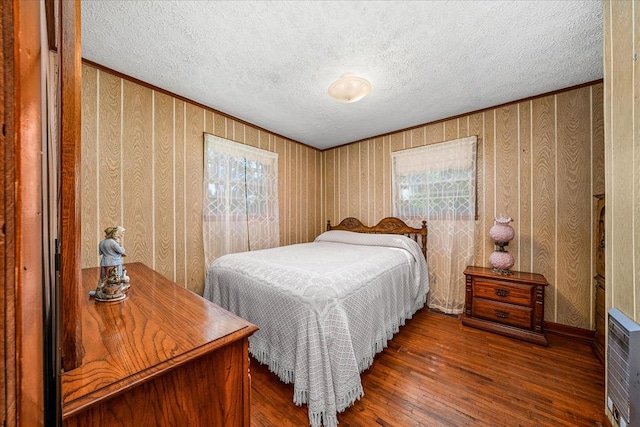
[501,260]
[502,271]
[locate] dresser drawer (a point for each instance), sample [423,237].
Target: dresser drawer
[512,293]
[507,314]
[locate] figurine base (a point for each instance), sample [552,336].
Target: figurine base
[111,287]
[114,299]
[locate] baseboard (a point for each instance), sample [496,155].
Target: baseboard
[569,331]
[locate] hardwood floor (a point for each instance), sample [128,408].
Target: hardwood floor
[437,372]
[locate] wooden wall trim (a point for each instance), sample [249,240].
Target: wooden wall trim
[70,208]
[471,113]
[190,101]
[569,331]
[182,98]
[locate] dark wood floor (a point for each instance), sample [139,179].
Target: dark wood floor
[437,372]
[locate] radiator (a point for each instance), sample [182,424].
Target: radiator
[623,369]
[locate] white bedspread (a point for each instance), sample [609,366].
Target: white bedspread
[324,309]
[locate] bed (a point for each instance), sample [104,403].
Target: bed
[326,308]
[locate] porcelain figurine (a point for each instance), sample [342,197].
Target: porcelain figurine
[114,281]
[111,250]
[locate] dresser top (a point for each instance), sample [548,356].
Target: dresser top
[517,276]
[159,326]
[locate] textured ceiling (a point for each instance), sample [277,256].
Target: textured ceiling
[270,62]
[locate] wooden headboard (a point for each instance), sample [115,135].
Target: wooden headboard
[388,225]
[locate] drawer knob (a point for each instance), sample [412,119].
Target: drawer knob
[502,314]
[502,292]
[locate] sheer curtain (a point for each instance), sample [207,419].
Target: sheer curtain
[240,198]
[438,183]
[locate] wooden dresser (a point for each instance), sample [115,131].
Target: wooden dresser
[511,305]
[163,356]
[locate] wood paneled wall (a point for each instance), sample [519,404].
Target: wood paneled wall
[540,161]
[142,168]
[622,155]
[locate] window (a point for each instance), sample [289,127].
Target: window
[240,207]
[236,182]
[437,183]
[436,192]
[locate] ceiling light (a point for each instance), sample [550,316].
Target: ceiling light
[349,88]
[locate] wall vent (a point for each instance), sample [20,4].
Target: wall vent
[623,369]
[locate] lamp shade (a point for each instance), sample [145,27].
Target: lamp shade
[501,232]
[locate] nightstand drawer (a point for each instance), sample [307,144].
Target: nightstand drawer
[512,293]
[507,314]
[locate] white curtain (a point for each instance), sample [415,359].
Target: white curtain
[438,183]
[240,198]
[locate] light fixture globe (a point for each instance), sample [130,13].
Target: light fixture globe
[349,88]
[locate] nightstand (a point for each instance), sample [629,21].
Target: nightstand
[511,305]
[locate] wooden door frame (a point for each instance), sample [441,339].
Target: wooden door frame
[7,359]
[21,222]
[22,266]
[70,120]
